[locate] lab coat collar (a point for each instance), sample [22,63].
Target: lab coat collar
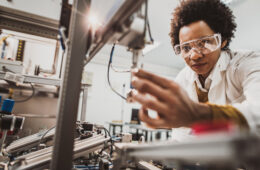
[220,66]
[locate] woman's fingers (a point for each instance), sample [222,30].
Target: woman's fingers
[150,102]
[160,81]
[150,122]
[145,86]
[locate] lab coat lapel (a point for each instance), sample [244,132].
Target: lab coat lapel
[191,89]
[217,91]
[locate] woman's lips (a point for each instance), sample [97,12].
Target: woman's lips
[198,66]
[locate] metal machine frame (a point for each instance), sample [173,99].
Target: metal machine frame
[20,21]
[217,150]
[70,89]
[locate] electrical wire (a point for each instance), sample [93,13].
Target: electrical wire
[111,141]
[32,88]
[42,137]
[119,71]
[149,31]
[28,98]
[108,71]
[147,24]
[146,16]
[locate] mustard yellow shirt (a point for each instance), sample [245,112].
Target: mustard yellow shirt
[223,112]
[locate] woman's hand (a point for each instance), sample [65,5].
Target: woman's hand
[168,99]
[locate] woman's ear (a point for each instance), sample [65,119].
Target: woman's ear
[224,43]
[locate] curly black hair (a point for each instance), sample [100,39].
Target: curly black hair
[215,13]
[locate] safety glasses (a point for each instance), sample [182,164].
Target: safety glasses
[204,45]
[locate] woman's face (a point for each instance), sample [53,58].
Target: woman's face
[202,64]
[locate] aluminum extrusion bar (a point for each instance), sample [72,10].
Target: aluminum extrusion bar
[42,157]
[24,22]
[124,12]
[214,149]
[28,142]
[70,89]
[36,79]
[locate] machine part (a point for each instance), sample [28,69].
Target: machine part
[125,11]
[65,16]
[33,79]
[7,106]
[70,89]
[146,165]
[24,22]
[87,126]
[19,121]
[11,66]
[13,77]
[221,150]
[9,123]
[3,141]
[84,103]
[41,159]
[136,59]
[28,142]
[20,50]
[126,137]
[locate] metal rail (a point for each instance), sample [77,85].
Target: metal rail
[24,22]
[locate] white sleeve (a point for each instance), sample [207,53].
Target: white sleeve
[248,75]
[180,77]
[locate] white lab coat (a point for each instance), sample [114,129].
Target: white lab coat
[234,80]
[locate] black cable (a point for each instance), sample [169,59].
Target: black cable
[28,98]
[149,31]
[108,70]
[147,23]
[32,88]
[146,16]
[111,141]
[40,141]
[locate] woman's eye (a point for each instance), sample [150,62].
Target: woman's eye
[186,48]
[206,41]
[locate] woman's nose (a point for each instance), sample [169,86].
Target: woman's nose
[195,54]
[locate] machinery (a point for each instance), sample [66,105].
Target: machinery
[211,151]
[77,144]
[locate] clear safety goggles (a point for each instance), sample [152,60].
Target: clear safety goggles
[203,45]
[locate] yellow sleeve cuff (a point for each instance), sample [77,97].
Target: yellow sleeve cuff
[228,113]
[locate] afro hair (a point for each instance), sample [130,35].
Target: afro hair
[215,13]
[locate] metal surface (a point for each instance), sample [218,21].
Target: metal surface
[124,12]
[215,149]
[146,165]
[36,79]
[70,90]
[3,141]
[28,142]
[24,22]
[84,103]
[42,158]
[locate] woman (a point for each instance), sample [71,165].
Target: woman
[217,83]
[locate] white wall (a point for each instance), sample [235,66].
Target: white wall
[46,8]
[247,15]
[104,105]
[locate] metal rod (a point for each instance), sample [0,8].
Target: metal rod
[3,141]
[125,11]
[70,90]
[84,103]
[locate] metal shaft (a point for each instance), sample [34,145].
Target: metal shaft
[70,90]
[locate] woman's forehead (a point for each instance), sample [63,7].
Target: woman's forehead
[195,30]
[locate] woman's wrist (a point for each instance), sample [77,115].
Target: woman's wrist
[204,112]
